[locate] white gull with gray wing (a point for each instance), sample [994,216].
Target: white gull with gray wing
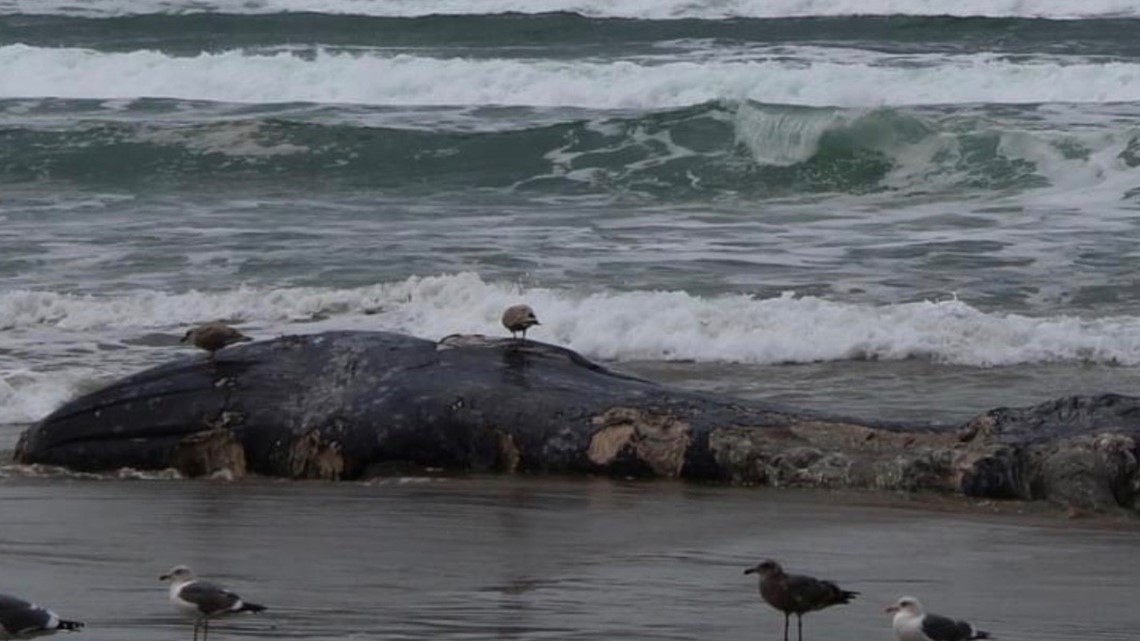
[913,623]
[203,600]
[20,619]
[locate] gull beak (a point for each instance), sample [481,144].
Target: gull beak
[164,577]
[750,571]
[891,609]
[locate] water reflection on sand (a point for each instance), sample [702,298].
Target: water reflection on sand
[527,558]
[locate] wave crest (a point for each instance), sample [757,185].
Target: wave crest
[750,149]
[622,326]
[60,345]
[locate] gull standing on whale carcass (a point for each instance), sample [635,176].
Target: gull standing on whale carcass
[912,623]
[796,594]
[519,318]
[203,600]
[20,619]
[213,336]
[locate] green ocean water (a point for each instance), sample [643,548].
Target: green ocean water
[916,216]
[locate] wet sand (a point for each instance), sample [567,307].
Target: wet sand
[528,558]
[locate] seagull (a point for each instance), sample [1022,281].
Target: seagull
[796,594]
[912,623]
[213,336]
[519,318]
[18,618]
[203,600]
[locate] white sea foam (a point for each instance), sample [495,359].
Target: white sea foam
[638,9]
[656,325]
[26,394]
[379,78]
[782,136]
[56,339]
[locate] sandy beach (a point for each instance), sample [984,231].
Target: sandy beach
[527,558]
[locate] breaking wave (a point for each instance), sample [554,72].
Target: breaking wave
[613,325]
[385,78]
[81,342]
[751,149]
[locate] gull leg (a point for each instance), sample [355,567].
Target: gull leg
[195,629]
[205,628]
[800,625]
[787,618]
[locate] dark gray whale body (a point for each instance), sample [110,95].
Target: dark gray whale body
[347,405]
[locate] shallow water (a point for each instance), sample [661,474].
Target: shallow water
[911,391]
[508,558]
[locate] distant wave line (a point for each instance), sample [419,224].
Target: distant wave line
[630,9]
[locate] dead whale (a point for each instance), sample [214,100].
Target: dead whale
[349,405]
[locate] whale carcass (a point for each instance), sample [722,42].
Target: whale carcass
[350,405]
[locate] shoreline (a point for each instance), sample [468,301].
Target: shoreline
[552,558]
[965,509]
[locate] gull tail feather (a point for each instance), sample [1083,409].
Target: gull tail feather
[251,607]
[72,626]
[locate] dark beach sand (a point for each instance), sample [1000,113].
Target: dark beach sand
[529,558]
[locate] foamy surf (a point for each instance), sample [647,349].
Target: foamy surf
[51,472]
[617,325]
[383,78]
[62,344]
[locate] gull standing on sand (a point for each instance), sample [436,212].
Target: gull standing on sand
[519,318]
[203,600]
[796,594]
[213,336]
[20,619]
[912,623]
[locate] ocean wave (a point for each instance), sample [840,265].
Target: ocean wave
[569,35]
[612,325]
[28,394]
[380,78]
[634,9]
[747,149]
[61,345]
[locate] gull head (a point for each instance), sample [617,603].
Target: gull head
[178,574]
[765,568]
[908,605]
